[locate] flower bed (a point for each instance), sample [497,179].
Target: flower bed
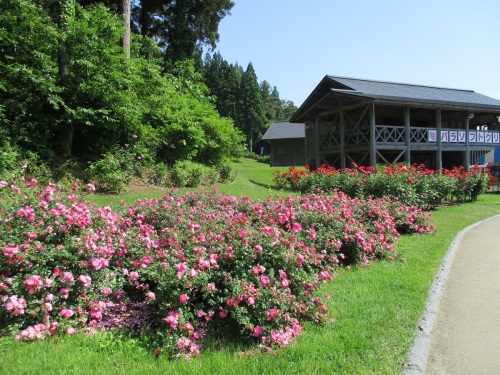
[182,269]
[411,184]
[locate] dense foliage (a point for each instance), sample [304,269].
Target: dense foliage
[184,269]
[252,106]
[181,28]
[410,184]
[70,98]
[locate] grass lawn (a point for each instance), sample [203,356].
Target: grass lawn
[374,309]
[253,179]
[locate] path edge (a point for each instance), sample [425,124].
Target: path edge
[416,361]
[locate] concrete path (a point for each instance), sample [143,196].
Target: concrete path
[463,333]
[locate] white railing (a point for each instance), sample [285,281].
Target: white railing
[396,134]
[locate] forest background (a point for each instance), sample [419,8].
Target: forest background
[105,90]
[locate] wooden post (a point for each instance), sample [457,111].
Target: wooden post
[342,138]
[317,124]
[467,146]
[407,135]
[439,151]
[272,153]
[306,124]
[373,147]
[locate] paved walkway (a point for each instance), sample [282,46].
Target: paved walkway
[460,331]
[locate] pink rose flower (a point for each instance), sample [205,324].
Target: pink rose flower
[258,269]
[95,313]
[257,331]
[33,283]
[297,227]
[64,293]
[183,298]
[85,280]
[264,280]
[66,313]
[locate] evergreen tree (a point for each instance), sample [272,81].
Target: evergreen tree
[223,80]
[271,100]
[251,117]
[231,78]
[181,27]
[269,107]
[287,109]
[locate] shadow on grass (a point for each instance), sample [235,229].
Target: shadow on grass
[287,190]
[267,186]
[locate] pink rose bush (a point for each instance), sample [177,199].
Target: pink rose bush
[190,266]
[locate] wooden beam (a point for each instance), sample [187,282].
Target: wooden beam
[317,123]
[342,137]
[311,107]
[373,146]
[467,146]
[407,134]
[439,152]
[382,157]
[345,107]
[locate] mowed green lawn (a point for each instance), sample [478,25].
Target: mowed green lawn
[253,179]
[374,313]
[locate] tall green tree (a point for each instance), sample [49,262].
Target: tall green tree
[271,100]
[65,19]
[29,90]
[251,114]
[287,109]
[103,98]
[223,80]
[182,27]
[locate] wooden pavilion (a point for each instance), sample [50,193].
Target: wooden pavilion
[368,122]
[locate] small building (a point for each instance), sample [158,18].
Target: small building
[368,122]
[287,142]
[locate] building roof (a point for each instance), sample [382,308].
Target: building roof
[391,92]
[284,130]
[404,91]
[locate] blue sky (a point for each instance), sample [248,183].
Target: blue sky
[293,44]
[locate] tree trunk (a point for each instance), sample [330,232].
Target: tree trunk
[66,16]
[126,23]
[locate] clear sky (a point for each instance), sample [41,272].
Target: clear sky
[293,44]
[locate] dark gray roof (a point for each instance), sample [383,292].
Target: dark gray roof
[284,130]
[401,91]
[328,92]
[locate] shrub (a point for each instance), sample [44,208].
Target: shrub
[115,169]
[156,174]
[411,185]
[266,159]
[190,174]
[226,172]
[181,268]
[186,173]
[108,175]
[10,159]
